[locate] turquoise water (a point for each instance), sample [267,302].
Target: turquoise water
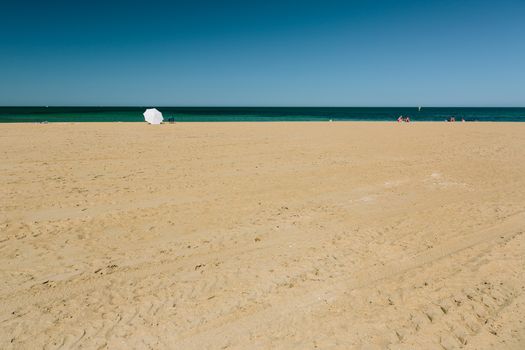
[226,114]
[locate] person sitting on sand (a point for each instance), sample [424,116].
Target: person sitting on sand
[452,119]
[400,119]
[407,120]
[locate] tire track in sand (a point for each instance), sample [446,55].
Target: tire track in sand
[209,335]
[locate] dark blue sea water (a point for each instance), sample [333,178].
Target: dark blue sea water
[227,114]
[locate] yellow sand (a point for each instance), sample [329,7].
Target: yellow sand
[262,235]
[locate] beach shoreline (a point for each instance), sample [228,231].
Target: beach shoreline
[259,114]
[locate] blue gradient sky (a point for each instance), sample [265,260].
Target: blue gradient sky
[263,53]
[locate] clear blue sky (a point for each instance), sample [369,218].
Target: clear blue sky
[263,53]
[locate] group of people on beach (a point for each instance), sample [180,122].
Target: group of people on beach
[453,119]
[406,119]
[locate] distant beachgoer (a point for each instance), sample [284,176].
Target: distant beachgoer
[462,120]
[400,119]
[407,120]
[452,119]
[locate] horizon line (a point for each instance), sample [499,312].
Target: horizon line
[234,106]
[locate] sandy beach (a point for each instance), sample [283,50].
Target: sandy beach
[262,236]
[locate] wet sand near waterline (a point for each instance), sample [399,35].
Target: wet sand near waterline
[262,235]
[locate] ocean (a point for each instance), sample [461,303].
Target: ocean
[247,114]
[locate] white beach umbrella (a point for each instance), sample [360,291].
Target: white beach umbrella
[153,116]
